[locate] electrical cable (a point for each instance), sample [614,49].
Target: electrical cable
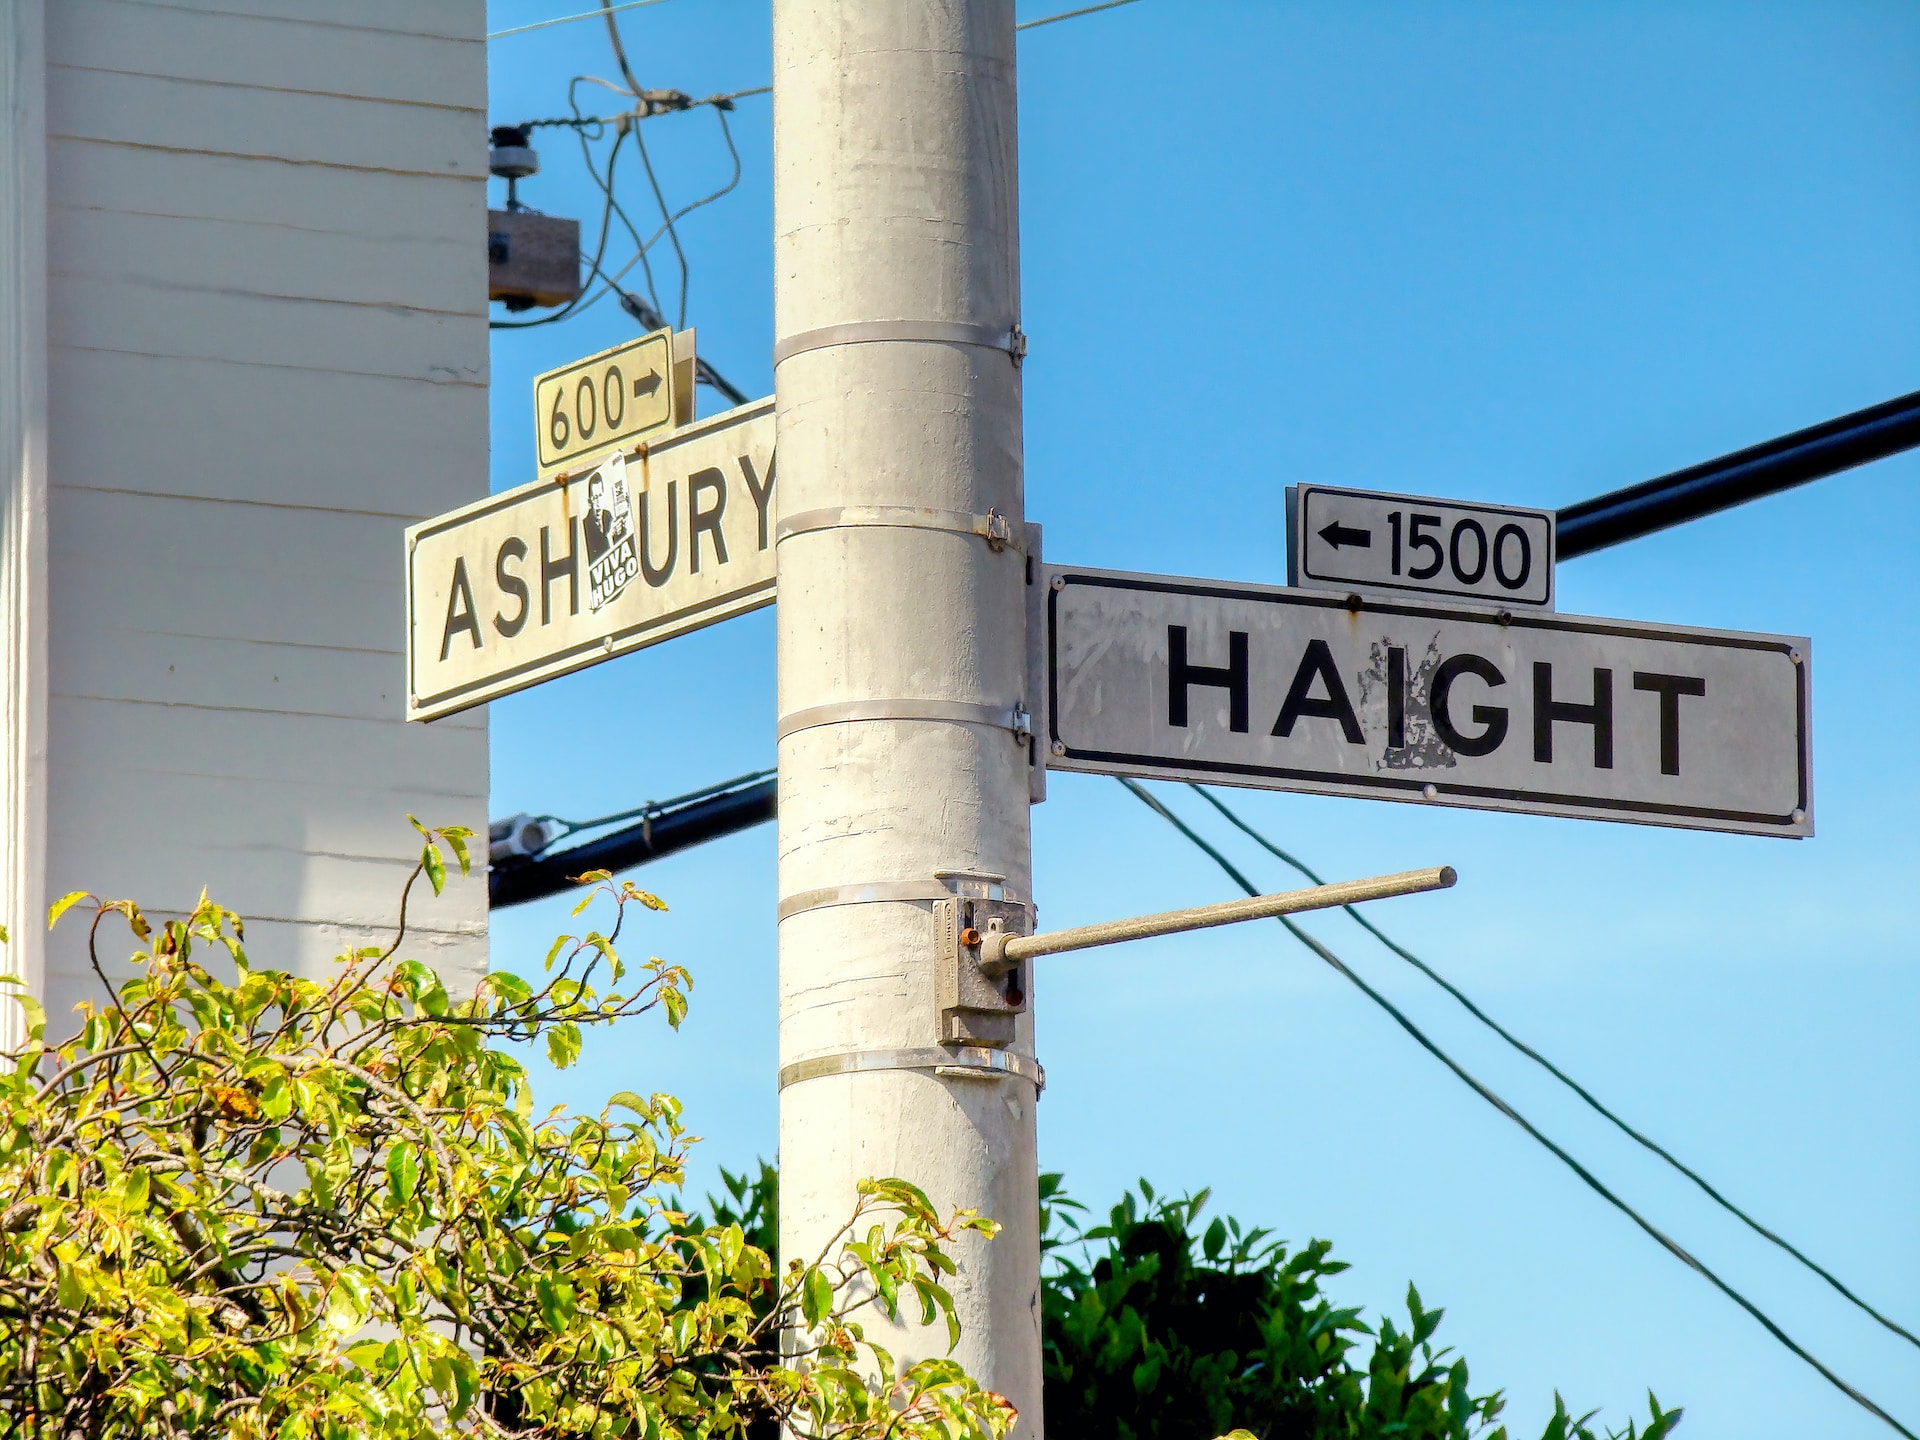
[1067,14]
[568,19]
[619,50]
[650,807]
[1592,1182]
[636,4]
[612,200]
[1555,1071]
[670,218]
[666,215]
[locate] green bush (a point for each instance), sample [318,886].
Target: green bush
[239,1204]
[1159,1328]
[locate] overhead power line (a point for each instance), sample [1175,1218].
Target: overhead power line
[1072,14]
[636,4]
[568,19]
[1586,1176]
[1554,1070]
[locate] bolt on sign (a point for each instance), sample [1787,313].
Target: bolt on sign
[1367,540]
[629,393]
[1284,689]
[646,544]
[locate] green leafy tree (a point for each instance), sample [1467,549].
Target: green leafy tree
[1158,1329]
[246,1204]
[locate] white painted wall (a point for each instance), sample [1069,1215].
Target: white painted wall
[23,479]
[267,341]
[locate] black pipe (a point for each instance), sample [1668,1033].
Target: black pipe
[518,881]
[1763,469]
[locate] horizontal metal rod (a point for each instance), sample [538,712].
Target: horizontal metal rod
[1000,950]
[1764,469]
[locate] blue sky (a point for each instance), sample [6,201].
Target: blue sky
[1520,253]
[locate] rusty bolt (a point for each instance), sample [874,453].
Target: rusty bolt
[969,937]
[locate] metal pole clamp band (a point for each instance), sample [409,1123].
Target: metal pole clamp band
[960,712]
[882,892]
[935,332]
[959,1062]
[993,527]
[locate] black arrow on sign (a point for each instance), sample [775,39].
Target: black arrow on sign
[647,384]
[1337,535]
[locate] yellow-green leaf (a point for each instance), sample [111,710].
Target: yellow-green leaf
[435,867]
[403,1172]
[816,1297]
[63,904]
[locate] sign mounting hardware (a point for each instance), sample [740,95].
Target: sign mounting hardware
[1370,540]
[617,397]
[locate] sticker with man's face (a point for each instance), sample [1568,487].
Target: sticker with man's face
[613,557]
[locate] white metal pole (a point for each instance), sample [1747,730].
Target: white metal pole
[901,628]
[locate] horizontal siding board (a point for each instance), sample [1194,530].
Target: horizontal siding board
[224,256]
[163,869]
[307,54]
[206,428]
[353,823]
[250,675]
[367,339]
[326,753]
[140,565]
[312,554]
[89,174]
[463,20]
[273,124]
[205,601]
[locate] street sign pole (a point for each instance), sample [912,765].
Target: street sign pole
[904,761]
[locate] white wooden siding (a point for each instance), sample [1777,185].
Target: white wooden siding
[267,325]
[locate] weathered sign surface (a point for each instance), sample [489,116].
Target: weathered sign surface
[1291,689]
[1368,540]
[619,396]
[554,576]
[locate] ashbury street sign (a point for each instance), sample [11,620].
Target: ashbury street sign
[1410,700]
[554,576]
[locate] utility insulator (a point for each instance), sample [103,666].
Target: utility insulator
[511,156]
[532,259]
[519,837]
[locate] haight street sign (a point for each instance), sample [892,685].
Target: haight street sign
[555,576]
[1367,540]
[1287,689]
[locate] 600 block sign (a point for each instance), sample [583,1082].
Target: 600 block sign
[609,399]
